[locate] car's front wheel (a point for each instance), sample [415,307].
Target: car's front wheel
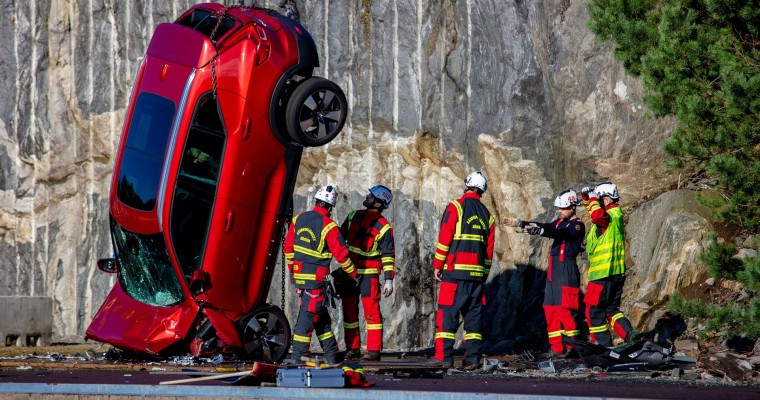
[316,112]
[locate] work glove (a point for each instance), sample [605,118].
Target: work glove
[585,190]
[522,223]
[534,230]
[388,287]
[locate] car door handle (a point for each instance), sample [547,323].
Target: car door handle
[246,128]
[229,221]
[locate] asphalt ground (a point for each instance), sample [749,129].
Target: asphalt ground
[93,381]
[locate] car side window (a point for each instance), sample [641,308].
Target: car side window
[196,183]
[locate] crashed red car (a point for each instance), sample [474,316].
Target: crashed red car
[222,105]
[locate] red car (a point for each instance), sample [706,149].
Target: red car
[222,105]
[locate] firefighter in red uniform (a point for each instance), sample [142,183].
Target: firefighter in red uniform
[462,263]
[313,239]
[605,245]
[369,238]
[562,290]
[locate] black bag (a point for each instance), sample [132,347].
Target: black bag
[645,351]
[595,355]
[649,352]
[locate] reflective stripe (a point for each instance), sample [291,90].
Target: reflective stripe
[445,335]
[382,232]
[471,237]
[373,253]
[387,267]
[371,327]
[358,370]
[306,277]
[367,271]
[458,229]
[388,260]
[351,325]
[325,336]
[325,230]
[469,267]
[598,329]
[473,336]
[442,247]
[302,339]
[350,270]
[616,317]
[572,333]
[556,333]
[440,256]
[310,252]
[344,264]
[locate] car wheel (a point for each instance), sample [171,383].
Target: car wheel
[316,112]
[266,335]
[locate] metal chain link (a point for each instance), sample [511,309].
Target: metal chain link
[220,17]
[282,293]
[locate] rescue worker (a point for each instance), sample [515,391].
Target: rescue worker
[313,239]
[462,263]
[605,245]
[562,290]
[369,238]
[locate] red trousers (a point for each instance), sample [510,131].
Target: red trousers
[369,292]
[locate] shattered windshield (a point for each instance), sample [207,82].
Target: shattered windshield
[145,270]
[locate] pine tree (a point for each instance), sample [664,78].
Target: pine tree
[699,61]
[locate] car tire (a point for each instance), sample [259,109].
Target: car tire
[266,335]
[316,112]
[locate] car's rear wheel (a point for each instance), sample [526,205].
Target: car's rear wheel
[316,112]
[266,335]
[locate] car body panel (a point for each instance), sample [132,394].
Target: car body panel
[129,324]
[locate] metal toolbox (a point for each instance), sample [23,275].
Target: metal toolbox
[310,377]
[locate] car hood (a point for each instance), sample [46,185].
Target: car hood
[129,324]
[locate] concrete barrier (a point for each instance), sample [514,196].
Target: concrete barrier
[26,321]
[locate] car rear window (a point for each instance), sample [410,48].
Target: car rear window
[204,22]
[143,157]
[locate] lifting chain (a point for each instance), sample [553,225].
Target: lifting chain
[282,291]
[219,18]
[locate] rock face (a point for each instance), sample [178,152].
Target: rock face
[519,90]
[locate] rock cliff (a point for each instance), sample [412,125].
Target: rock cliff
[520,90]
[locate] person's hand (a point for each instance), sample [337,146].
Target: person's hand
[388,288]
[437,274]
[356,280]
[534,230]
[515,222]
[585,190]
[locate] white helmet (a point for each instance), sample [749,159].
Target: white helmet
[328,194]
[476,180]
[607,189]
[381,194]
[567,199]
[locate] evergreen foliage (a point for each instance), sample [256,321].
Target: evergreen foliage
[699,61]
[737,318]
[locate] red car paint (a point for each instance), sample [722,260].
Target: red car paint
[200,195]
